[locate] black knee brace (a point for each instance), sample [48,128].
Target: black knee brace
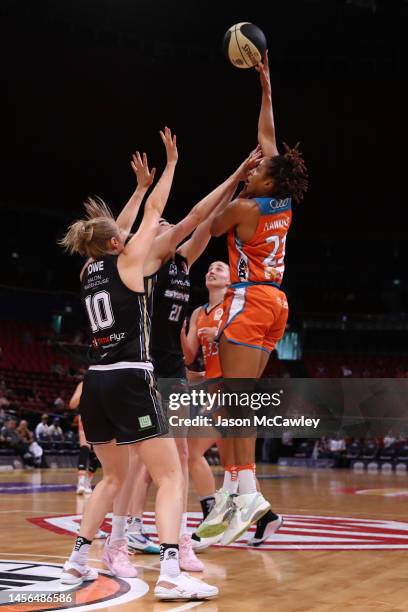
[83,458]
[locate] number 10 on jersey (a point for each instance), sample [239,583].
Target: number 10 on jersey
[99,310]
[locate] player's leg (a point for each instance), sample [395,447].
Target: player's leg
[200,472]
[204,483]
[163,463]
[93,466]
[115,462]
[83,461]
[138,539]
[267,525]
[188,559]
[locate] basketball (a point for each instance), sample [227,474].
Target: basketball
[244,45]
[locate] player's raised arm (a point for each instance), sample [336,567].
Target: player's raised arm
[266,124]
[139,245]
[144,178]
[193,248]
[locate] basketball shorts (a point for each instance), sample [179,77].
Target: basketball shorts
[121,404]
[254,316]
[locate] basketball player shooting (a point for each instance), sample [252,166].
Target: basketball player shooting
[255,308]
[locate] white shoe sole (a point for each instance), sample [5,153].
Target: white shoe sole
[76,580]
[259,513]
[206,543]
[166,595]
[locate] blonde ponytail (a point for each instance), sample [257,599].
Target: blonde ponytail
[89,236]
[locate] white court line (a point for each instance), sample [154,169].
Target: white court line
[145,567]
[187,606]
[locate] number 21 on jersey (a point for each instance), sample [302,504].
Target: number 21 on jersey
[175,312]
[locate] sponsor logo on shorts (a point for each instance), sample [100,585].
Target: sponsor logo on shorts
[145,421]
[298,532]
[28,586]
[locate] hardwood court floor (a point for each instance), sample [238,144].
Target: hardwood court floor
[287,577]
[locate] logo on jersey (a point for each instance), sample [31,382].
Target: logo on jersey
[242,269]
[28,586]
[218,314]
[173,269]
[298,532]
[279,204]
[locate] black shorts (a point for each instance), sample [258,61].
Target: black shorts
[122,405]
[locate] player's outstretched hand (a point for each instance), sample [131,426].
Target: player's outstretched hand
[170,143]
[264,75]
[140,167]
[251,162]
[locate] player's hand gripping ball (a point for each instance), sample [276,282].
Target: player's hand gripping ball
[244,45]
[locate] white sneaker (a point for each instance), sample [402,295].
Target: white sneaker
[138,540]
[81,486]
[250,507]
[184,587]
[218,519]
[265,531]
[88,487]
[75,574]
[200,544]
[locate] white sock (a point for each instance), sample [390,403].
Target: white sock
[169,560]
[80,552]
[230,483]
[246,481]
[183,524]
[119,524]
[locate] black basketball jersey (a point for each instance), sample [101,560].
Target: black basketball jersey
[170,301]
[119,318]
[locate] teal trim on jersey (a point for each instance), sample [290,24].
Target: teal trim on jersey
[254,346]
[250,283]
[271,206]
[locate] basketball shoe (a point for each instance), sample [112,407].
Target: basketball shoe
[188,560]
[115,557]
[75,574]
[218,519]
[200,544]
[138,541]
[249,508]
[265,528]
[184,587]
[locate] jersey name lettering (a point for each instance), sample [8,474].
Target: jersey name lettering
[96,266]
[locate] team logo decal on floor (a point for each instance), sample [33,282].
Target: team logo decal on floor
[299,532]
[383,492]
[27,586]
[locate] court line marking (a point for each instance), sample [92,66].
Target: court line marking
[145,567]
[187,606]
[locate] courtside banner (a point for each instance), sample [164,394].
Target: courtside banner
[299,407]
